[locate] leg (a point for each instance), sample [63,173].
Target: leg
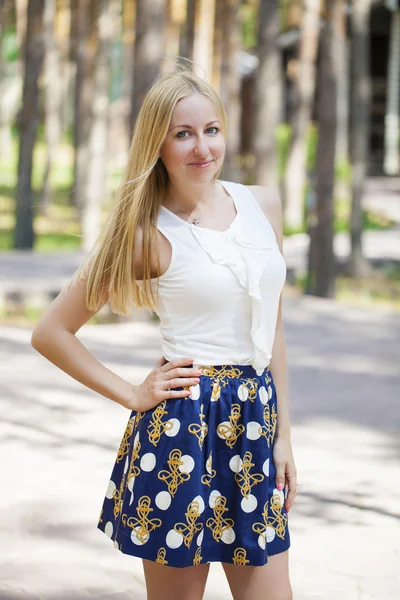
[171,583]
[269,582]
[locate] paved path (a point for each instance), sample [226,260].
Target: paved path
[58,443]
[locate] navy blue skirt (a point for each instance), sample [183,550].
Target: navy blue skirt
[194,478]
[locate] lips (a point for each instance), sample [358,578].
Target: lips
[200,163]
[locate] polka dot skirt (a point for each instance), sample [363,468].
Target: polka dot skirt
[194,478]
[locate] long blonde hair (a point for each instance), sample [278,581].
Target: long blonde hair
[110,268]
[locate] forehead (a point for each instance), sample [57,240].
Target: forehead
[194,109]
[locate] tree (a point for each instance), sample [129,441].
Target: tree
[359,125]
[267,94]
[187,34]
[203,43]
[295,176]
[27,123]
[323,258]
[149,49]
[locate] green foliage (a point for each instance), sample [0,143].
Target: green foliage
[248,18]
[10,48]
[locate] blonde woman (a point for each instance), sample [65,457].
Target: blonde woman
[205,469]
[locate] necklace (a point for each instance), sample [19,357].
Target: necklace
[196,220]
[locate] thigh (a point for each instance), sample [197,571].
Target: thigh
[269,582]
[173,583]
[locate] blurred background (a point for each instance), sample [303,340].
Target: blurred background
[312,93]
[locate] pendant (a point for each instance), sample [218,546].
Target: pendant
[195,221]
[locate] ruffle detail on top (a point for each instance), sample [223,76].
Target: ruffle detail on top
[243,251]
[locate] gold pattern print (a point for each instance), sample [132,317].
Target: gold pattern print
[161,554]
[218,524]
[231,431]
[270,418]
[101,515]
[218,374]
[244,479]
[133,469]
[211,473]
[174,477]
[239,557]
[190,528]
[200,431]
[252,386]
[124,446]
[142,525]
[118,498]
[156,426]
[277,521]
[197,557]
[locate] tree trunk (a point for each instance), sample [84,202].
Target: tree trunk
[230,86]
[295,176]
[359,125]
[98,134]
[391,164]
[322,238]
[53,98]
[27,124]
[149,49]
[84,48]
[186,41]
[204,35]
[267,95]
[342,188]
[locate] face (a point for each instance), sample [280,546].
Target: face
[194,146]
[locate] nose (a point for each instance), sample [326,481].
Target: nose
[200,148]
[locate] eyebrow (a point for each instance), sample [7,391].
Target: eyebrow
[190,127]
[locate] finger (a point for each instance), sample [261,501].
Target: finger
[280,476]
[292,491]
[179,382]
[176,362]
[161,361]
[176,393]
[182,372]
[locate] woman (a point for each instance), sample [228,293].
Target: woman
[205,469]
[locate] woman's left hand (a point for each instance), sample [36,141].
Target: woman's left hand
[286,473]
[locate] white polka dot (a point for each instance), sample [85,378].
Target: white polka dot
[209,464]
[110,490]
[228,536]
[195,392]
[252,430]
[174,429]
[265,467]
[116,544]
[269,392]
[227,431]
[163,500]
[148,461]
[213,496]
[173,539]
[270,533]
[280,494]
[108,529]
[262,541]
[138,536]
[236,463]
[188,464]
[200,538]
[249,504]
[243,392]
[263,395]
[131,482]
[126,465]
[200,500]
[135,441]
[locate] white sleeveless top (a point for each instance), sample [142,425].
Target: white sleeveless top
[218,300]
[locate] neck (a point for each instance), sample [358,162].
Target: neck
[188,196]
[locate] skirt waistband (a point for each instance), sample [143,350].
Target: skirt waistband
[230,371]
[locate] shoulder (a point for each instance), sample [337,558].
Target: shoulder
[271,205]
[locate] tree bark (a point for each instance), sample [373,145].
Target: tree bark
[27,123]
[98,134]
[149,49]
[359,125]
[267,95]
[230,87]
[391,163]
[295,176]
[186,41]
[204,35]
[322,238]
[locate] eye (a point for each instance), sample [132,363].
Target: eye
[216,128]
[179,132]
